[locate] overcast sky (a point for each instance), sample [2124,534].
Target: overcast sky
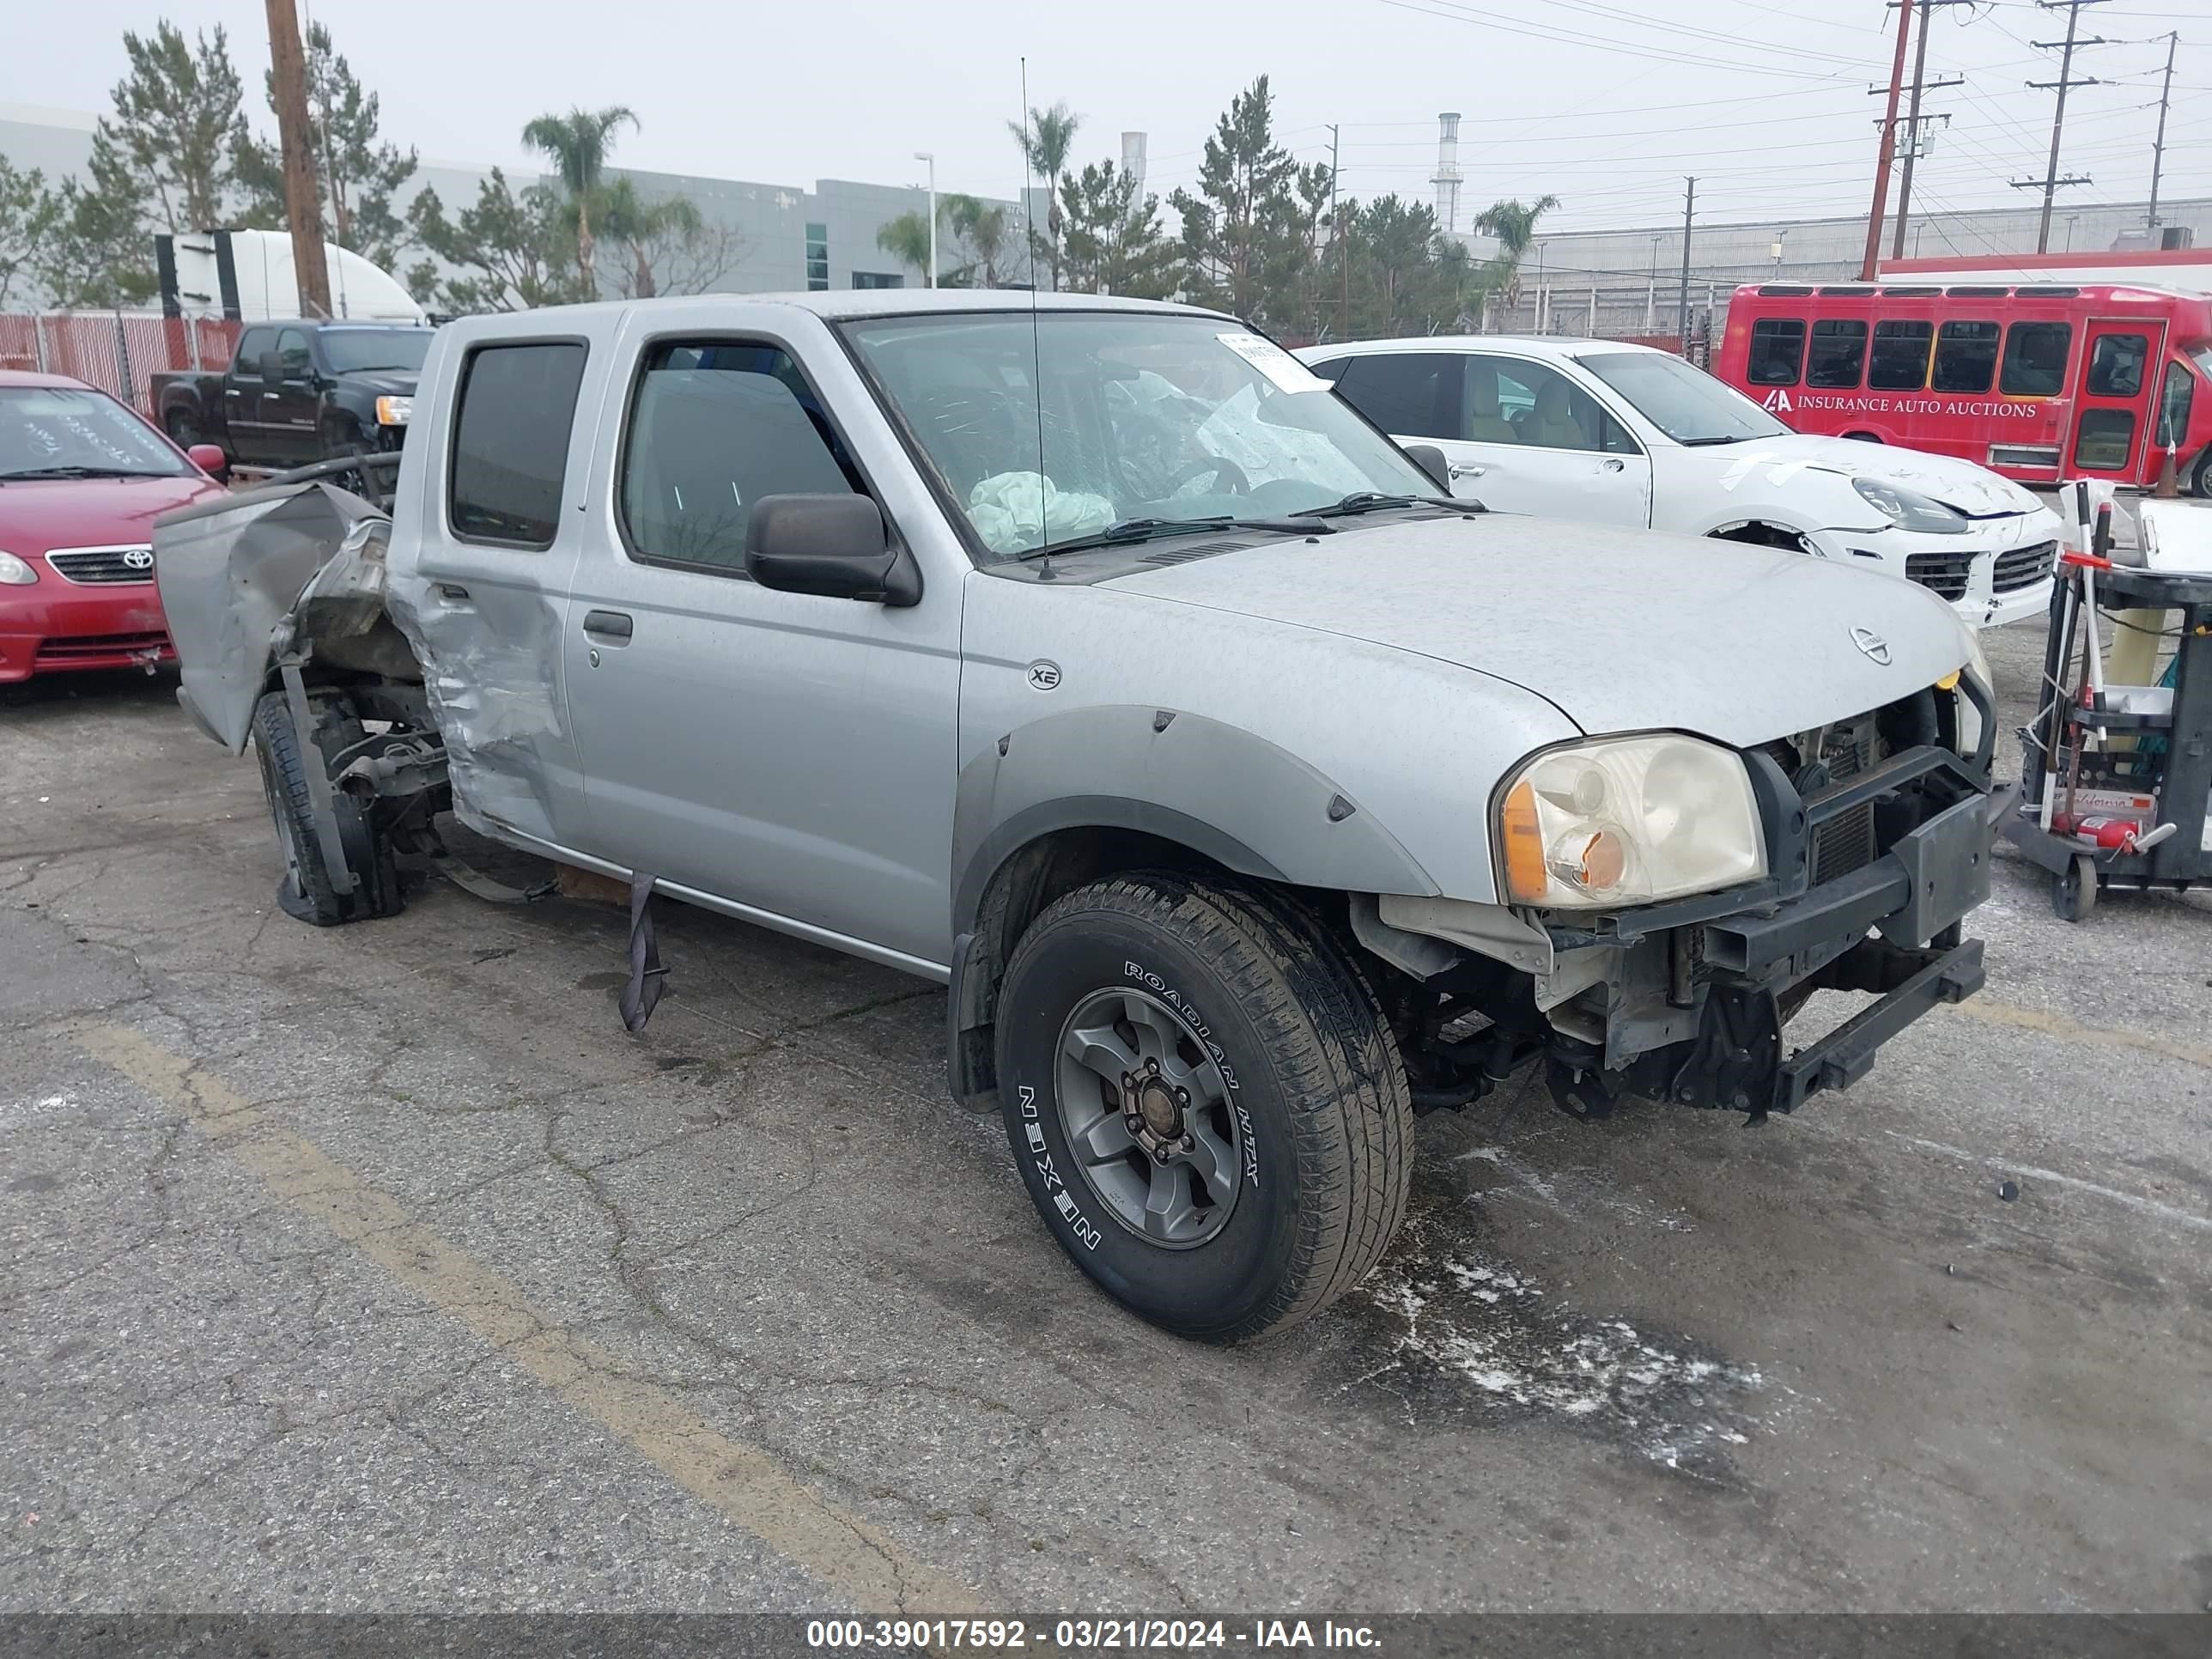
[1602,105]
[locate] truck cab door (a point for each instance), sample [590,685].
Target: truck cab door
[792,756]
[291,407]
[2115,411]
[240,393]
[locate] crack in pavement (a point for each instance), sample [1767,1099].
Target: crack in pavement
[864,1566]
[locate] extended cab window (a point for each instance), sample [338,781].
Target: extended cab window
[715,426]
[510,450]
[246,361]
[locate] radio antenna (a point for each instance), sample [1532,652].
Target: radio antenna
[1045,573]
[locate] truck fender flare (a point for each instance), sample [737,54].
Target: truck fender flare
[1239,800]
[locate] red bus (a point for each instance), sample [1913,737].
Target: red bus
[2039,381]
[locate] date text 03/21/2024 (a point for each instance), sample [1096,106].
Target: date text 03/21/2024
[1086,1634]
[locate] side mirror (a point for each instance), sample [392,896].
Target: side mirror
[1431,460]
[272,367]
[210,460]
[837,546]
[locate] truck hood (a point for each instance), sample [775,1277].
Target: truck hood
[39,514]
[1620,630]
[384,382]
[1973,491]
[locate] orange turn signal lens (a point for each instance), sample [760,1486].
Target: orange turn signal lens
[1526,880]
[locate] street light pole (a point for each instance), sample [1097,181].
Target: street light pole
[930,277]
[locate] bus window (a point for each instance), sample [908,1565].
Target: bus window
[1839,353]
[1900,355]
[1965,357]
[2105,441]
[1777,347]
[2115,366]
[2035,360]
[2174,405]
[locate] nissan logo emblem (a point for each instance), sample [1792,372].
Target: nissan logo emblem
[138,558]
[1873,644]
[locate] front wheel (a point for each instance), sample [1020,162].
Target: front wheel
[1207,1108]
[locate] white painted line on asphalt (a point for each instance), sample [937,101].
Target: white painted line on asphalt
[2133,1200]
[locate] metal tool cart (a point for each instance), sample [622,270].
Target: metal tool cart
[2116,775]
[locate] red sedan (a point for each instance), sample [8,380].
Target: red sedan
[82,478]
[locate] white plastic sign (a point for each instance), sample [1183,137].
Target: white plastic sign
[1284,371]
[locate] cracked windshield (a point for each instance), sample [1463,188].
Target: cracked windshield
[1140,417]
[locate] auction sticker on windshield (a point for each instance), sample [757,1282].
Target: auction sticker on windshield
[1286,371]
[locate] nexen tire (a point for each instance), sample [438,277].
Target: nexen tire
[1317,1096]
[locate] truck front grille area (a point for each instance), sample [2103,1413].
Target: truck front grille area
[1944,574]
[1845,842]
[98,566]
[2024,567]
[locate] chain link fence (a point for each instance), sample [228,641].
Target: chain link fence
[120,352]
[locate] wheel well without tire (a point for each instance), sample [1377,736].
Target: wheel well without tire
[1760,534]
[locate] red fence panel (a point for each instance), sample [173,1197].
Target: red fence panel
[118,352]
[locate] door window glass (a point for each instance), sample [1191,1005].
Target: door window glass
[1777,352]
[2105,441]
[2174,405]
[2116,365]
[716,425]
[1965,357]
[246,361]
[2035,360]
[511,442]
[292,354]
[1546,409]
[1899,362]
[1838,353]
[1410,394]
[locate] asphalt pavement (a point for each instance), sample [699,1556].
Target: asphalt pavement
[379,1268]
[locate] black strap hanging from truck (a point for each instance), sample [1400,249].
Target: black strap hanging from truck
[642,992]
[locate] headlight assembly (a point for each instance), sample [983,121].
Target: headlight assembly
[1908,509]
[15,572]
[394,411]
[1622,821]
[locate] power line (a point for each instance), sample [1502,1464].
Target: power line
[2066,80]
[1459,14]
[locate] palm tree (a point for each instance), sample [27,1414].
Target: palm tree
[981,233]
[1515,227]
[1046,142]
[906,239]
[636,223]
[578,144]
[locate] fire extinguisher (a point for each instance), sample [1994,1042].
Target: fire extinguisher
[2112,834]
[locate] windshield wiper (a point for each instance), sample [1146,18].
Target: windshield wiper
[80,472]
[1703,443]
[1130,531]
[1372,501]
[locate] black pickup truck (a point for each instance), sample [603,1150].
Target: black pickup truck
[300,391]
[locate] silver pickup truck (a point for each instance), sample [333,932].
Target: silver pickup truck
[1251,796]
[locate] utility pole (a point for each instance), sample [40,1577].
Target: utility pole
[1868,264]
[303,207]
[2158,148]
[2051,181]
[1920,83]
[1336,235]
[1682,300]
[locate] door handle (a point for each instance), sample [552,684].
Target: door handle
[269,394]
[607,624]
[1612,464]
[1468,470]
